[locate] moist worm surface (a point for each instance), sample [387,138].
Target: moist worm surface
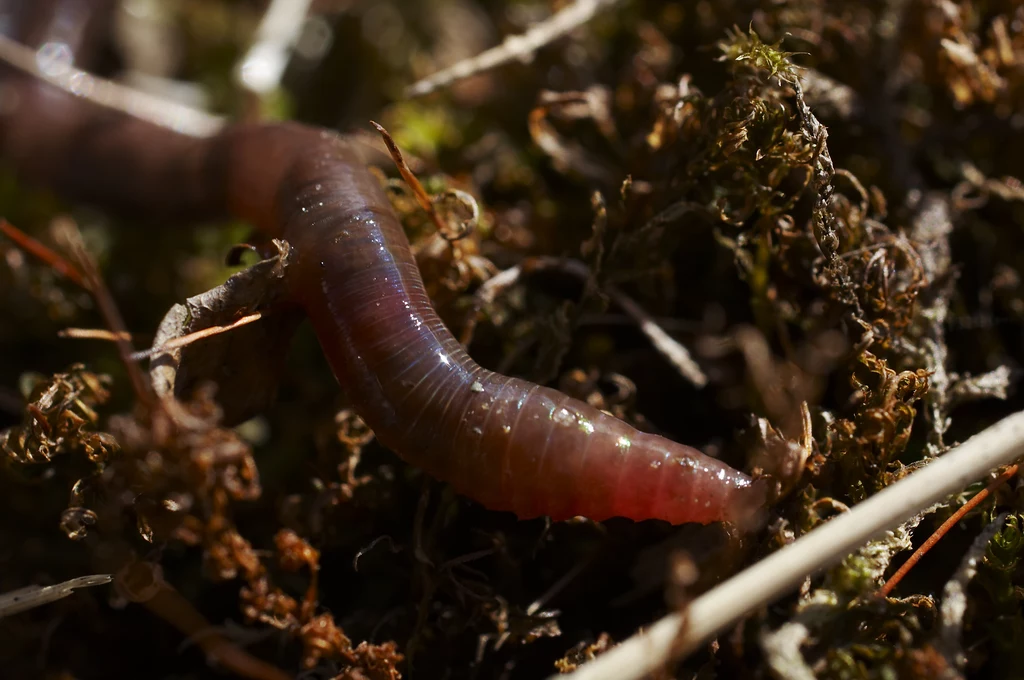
[504,442]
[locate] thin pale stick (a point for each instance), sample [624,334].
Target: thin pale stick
[516,47]
[108,308]
[93,334]
[23,599]
[953,520]
[62,74]
[954,600]
[670,348]
[674,351]
[784,571]
[197,335]
[261,69]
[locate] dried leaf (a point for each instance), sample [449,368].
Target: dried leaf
[245,363]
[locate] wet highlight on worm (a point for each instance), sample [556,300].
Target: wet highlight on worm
[504,442]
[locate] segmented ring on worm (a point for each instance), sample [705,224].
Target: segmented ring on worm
[504,442]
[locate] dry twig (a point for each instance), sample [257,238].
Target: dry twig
[261,69]
[670,348]
[953,520]
[515,47]
[59,72]
[92,334]
[30,597]
[43,253]
[954,596]
[143,583]
[72,237]
[185,340]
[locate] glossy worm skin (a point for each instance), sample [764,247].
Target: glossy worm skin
[504,442]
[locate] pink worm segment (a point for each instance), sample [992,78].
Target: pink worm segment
[504,442]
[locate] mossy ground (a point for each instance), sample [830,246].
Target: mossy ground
[854,298]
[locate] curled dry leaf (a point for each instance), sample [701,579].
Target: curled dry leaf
[245,363]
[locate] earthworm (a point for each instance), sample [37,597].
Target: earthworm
[504,442]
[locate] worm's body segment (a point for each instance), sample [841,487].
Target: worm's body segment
[506,443]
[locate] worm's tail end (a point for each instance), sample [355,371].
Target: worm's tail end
[748,510]
[694,487]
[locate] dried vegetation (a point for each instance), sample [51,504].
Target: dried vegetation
[821,200]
